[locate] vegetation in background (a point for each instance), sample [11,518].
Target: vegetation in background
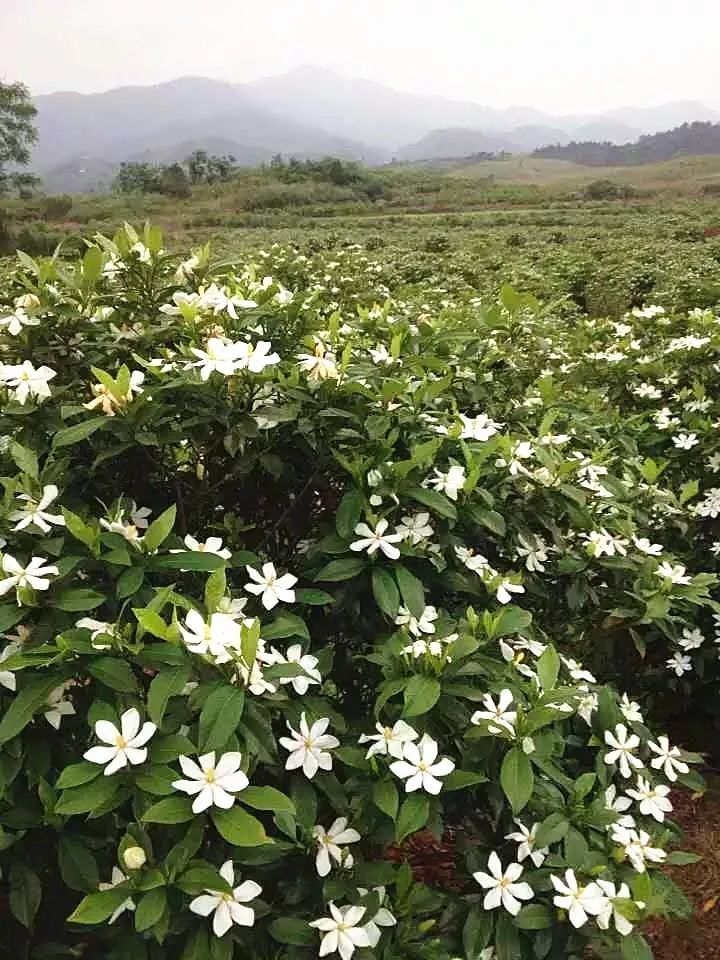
[17,135]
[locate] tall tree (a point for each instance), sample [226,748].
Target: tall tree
[17,132]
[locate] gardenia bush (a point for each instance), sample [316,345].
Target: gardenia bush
[299,572]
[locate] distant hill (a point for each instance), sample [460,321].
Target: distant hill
[689,139]
[306,112]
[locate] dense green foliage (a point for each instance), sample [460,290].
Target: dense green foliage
[17,134]
[689,139]
[338,488]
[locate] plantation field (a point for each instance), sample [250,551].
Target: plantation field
[359,580]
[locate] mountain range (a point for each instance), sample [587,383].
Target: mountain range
[307,112]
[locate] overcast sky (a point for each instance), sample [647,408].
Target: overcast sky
[555,55]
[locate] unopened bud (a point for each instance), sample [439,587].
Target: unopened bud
[134,858]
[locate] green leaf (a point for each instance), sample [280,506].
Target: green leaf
[215,589]
[156,779]
[87,796]
[284,625]
[170,810]
[348,513]
[151,622]
[411,590]
[512,620]
[26,460]
[238,827]
[150,908]
[534,916]
[97,907]
[517,779]
[77,599]
[421,694]
[160,529]
[129,582]
[167,749]
[198,878]
[437,502]
[30,698]
[314,598]
[78,867]
[166,684]
[220,717]
[551,830]
[77,774]
[413,816]
[461,779]
[183,851]
[343,569]
[385,592]
[548,667]
[113,673]
[189,560]
[477,932]
[635,947]
[491,519]
[25,894]
[79,431]
[385,798]
[266,798]
[79,529]
[294,931]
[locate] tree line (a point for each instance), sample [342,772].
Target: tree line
[688,139]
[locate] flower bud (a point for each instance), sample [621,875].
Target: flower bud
[528,745]
[134,858]
[28,301]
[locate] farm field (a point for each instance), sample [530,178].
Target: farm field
[290,473]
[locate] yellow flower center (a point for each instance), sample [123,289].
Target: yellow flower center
[210,775]
[422,766]
[120,742]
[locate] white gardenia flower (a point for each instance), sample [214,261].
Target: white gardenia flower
[601,542]
[636,844]
[117,877]
[579,901]
[7,677]
[679,664]
[307,661]
[17,320]
[211,545]
[271,588]
[36,574]
[685,441]
[646,546]
[57,707]
[668,759]
[419,768]
[330,843]
[497,715]
[217,638]
[449,483]
[502,886]
[377,539]
[630,710]
[526,840]
[653,800]
[481,427]
[255,358]
[220,356]
[691,639]
[383,917]
[35,511]
[618,805]
[674,573]
[535,552]
[27,381]
[319,365]
[623,747]
[587,705]
[341,931]
[98,628]
[415,528]
[228,908]
[126,745]
[576,670]
[417,626]
[388,740]
[213,784]
[505,589]
[622,924]
[309,747]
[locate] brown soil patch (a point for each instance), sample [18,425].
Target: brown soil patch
[698,937]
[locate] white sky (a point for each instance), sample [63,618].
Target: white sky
[556,55]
